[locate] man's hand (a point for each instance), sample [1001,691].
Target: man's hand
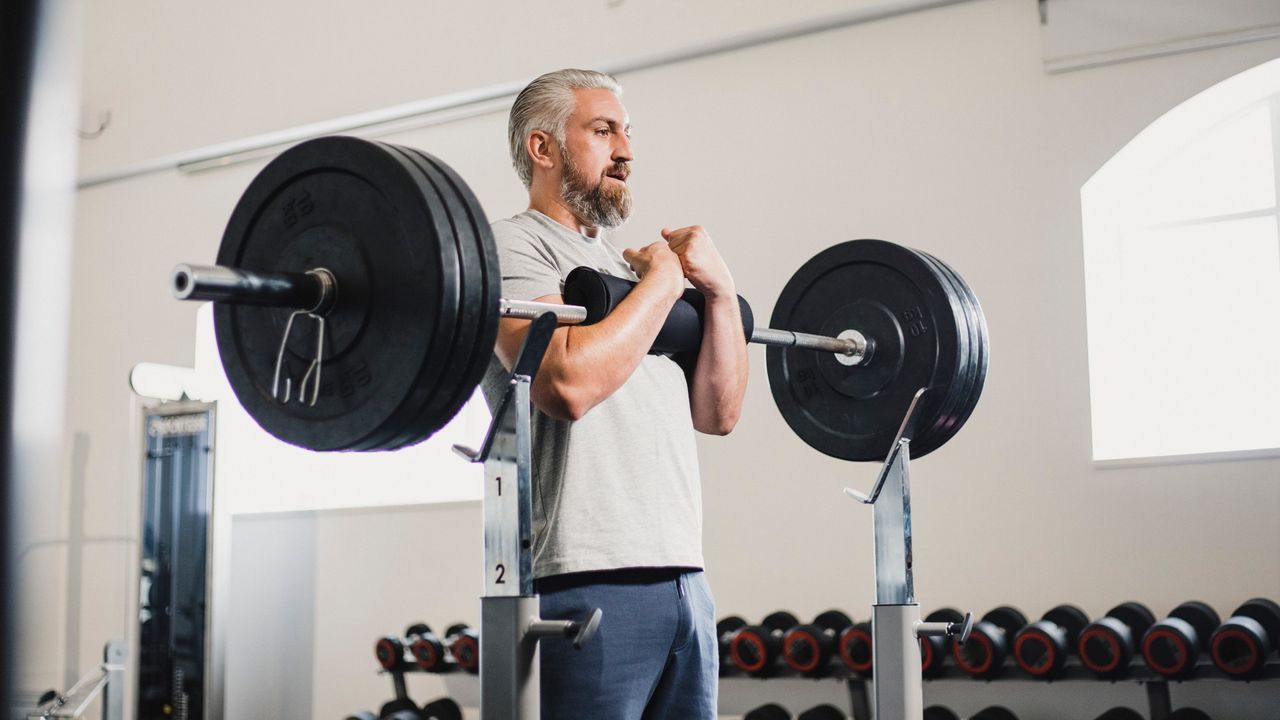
[700,261]
[657,260]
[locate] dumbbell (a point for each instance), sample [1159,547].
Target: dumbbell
[1107,646]
[1172,646]
[768,711]
[1041,648]
[984,654]
[399,709]
[938,712]
[1240,646]
[1188,713]
[389,650]
[856,649]
[464,645]
[361,715]
[934,649]
[823,712]
[755,648]
[725,631]
[427,649]
[995,712]
[808,649]
[442,709]
[1121,713]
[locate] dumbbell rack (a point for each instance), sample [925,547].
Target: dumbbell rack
[510,626]
[1141,689]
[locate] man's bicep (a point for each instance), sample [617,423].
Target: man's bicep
[528,271]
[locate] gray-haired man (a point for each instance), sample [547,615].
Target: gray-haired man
[617,497]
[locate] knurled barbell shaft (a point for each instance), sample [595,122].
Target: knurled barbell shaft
[310,290]
[528,310]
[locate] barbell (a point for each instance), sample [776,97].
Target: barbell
[357,299]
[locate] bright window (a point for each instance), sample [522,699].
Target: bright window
[1182,267]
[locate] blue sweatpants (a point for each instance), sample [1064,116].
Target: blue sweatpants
[654,656]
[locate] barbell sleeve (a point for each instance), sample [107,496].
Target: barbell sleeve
[310,291]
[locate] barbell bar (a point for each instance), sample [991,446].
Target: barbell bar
[317,288]
[368,272]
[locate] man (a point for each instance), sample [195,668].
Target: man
[617,508]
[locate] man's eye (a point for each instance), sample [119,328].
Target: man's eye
[602,131]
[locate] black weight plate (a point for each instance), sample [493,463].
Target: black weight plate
[1008,618]
[1266,612]
[1134,614]
[729,624]
[492,289]
[946,614]
[968,374]
[781,621]
[897,300]
[430,413]
[347,205]
[956,413]
[433,377]
[1069,618]
[978,320]
[957,391]
[1202,617]
[480,259]
[834,620]
[442,409]
[417,629]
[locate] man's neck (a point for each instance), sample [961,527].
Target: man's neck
[554,208]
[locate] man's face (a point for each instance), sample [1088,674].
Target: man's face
[597,157]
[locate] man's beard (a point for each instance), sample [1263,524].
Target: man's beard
[605,205]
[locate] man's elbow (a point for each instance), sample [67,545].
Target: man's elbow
[563,401]
[720,425]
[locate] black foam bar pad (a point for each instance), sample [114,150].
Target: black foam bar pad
[682,332]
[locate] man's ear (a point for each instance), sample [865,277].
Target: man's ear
[541,149]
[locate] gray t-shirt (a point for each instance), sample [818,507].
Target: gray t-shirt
[618,488]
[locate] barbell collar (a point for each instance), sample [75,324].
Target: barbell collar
[312,291]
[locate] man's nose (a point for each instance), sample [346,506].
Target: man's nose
[622,148]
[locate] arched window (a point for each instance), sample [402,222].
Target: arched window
[1182,273]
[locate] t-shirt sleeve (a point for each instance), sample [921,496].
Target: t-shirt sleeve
[528,270]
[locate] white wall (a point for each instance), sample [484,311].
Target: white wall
[312,591]
[938,130]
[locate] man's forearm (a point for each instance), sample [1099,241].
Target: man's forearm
[585,364]
[720,375]
[588,363]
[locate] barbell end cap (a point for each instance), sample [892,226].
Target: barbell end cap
[467,453]
[180,281]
